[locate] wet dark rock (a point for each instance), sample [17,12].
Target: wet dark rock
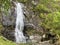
[49,36]
[8,23]
[9,34]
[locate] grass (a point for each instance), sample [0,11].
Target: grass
[4,41]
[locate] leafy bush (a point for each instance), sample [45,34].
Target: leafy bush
[51,21]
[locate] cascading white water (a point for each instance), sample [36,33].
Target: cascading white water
[20,38]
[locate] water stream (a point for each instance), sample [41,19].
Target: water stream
[20,38]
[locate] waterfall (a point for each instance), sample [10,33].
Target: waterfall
[20,38]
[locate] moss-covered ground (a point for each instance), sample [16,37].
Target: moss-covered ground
[4,41]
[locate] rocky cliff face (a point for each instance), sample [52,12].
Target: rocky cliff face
[32,20]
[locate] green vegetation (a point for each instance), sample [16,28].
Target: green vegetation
[51,21]
[4,41]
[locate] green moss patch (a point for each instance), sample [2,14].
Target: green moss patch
[4,41]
